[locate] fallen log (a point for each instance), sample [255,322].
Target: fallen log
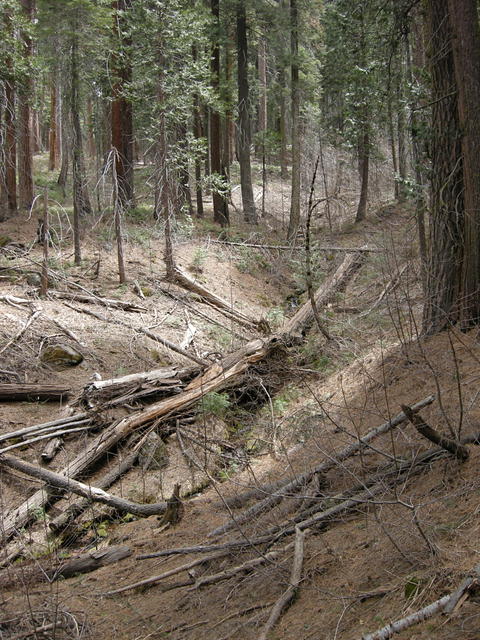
[100,391]
[290,487]
[445,605]
[33,392]
[89,562]
[95,494]
[51,449]
[289,594]
[105,302]
[302,320]
[188,283]
[289,247]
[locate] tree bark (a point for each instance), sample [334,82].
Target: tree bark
[52,134]
[364,161]
[220,205]
[25,97]
[294,221]
[122,112]
[447,198]
[244,126]
[466,56]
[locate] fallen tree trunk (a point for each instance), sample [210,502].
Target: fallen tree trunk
[70,421]
[304,317]
[100,391]
[89,562]
[33,392]
[445,605]
[185,281]
[105,302]
[95,494]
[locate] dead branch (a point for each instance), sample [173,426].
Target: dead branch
[32,392]
[93,299]
[51,449]
[445,605]
[166,574]
[390,286]
[291,487]
[95,494]
[71,421]
[428,432]
[290,248]
[289,594]
[163,341]
[20,333]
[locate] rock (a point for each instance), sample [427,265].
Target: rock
[60,356]
[34,279]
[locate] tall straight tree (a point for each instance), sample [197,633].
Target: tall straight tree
[294,221]
[220,204]
[244,126]
[444,288]
[122,114]
[25,98]
[9,150]
[466,55]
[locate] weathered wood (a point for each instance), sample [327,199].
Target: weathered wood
[74,510]
[100,391]
[71,421]
[289,594]
[455,448]
[95,494]
[185,281]
[444,605]
[51,449]
[92,299]
[90,561]
[292,486]
[303,318]
[30,320]
[14,391]
[287,247]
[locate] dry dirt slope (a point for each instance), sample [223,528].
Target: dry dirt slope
[393,553]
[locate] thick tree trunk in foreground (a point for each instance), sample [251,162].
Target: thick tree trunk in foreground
[364,162]
[447,207]
[244,127]
[10,149]
[466,57]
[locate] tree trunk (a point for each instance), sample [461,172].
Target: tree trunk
[80,193]
[244,137]
[294,221]
[283,124]
[122,114]
[25,97]
[10,149]
[466,57]
[364,162]
[262,98]
[197,133]
[52,134]
[447,209]
[220,204]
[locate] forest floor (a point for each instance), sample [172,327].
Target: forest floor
[396,551]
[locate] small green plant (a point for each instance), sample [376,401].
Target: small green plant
[411,587]
[214,403]
[38,514]
[221,338]
[198,259]
[275,317]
